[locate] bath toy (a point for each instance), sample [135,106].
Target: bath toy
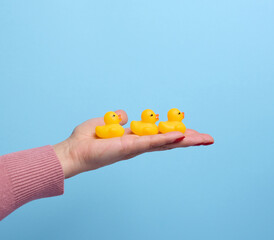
[112,127]
[147,125]
[174,122]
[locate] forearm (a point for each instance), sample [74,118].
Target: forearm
[29,175]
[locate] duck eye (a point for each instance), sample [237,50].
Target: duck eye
[179,113]
[151,115]
[113,115]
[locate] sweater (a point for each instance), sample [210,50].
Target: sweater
[28,175]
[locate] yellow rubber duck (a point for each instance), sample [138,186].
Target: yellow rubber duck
[112,127]
[174,122]
[147,125]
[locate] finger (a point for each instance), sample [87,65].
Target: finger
[194,140]
[187,132]
[128,131]
[189,141]
[207,139]
[147,143]
[190,132]
[89,125]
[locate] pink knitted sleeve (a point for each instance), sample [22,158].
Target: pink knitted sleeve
[29,175]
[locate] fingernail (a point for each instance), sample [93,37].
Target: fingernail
[179,139]
[208,143]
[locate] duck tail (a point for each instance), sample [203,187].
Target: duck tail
[133,127]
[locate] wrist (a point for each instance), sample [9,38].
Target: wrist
[62,151]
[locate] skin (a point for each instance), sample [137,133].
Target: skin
[83,151]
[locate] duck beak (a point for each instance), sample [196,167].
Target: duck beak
[183,115]
[119,116]
[157,117]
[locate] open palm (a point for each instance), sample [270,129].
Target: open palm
[83,151]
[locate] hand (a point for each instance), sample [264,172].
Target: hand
[83,151]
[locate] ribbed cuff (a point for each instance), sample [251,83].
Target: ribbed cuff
[35,173]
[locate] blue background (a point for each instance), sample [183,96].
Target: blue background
[63,62]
